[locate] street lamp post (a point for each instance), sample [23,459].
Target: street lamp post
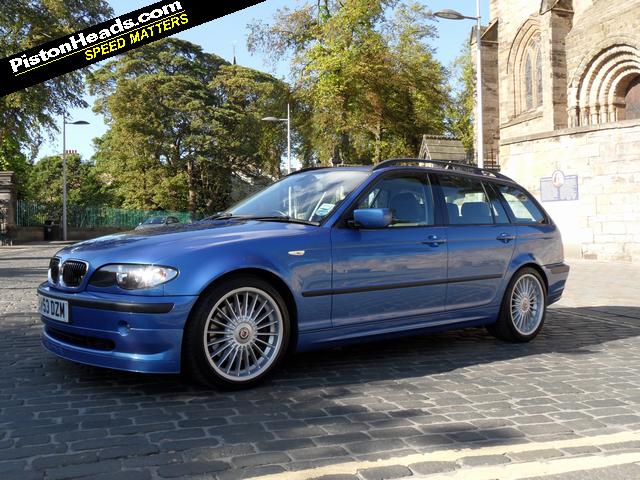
[288,122]
[453,15]
[64,170]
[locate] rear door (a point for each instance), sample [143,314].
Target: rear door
[534,229]
[481,241]
[392,274]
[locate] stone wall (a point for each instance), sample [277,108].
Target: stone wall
[604,224]
[520,25]
[22,235]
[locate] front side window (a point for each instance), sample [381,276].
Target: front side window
[308,196]
[410,200]
[466,201]
[522,207]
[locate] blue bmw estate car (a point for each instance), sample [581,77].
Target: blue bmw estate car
[324,257]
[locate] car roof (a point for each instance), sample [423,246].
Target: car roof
[440,166]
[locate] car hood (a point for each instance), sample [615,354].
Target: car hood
[164,245]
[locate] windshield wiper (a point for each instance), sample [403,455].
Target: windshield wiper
[279,218]
[265,218]
[220,216]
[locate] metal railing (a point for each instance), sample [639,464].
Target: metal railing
[33,214]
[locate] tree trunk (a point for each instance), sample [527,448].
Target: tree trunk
[191,186]
[378,148]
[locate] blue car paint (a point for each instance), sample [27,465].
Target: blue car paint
[462,274]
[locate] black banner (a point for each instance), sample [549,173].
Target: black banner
[97,43]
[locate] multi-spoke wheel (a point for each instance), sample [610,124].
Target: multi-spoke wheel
[237,334]
[523,308]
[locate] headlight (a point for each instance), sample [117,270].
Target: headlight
[132,277]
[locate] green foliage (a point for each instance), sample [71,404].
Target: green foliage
[460,112]
[26,24]
[182,124]
[12,159]
[365,74]
[83,185]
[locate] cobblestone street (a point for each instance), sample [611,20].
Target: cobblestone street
[461,404]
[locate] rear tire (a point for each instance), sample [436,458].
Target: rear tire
[237,334]
[523,308]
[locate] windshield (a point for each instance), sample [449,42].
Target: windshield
[153,221]
[308,196]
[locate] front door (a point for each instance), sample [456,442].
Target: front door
[481,241]
[394,274]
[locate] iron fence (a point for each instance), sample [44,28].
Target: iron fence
[33,214]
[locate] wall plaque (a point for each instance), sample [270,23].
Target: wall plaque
[559,187]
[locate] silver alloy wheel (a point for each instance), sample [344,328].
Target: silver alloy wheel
[243,334]
[527,304]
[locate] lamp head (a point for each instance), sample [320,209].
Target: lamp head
[449,14]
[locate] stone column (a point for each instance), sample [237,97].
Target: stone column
[7,199]
[559,22]
[7,203]
[490,85]
[574,116]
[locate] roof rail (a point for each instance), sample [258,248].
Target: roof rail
[341,165]
[306,169]
[446,164]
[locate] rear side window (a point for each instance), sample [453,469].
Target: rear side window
[522,207]
[466,201]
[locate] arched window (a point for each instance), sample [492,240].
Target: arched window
[524,68]
[539,76]
[528,83]
[532,77]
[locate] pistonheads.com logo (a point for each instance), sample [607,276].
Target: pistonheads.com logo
[107,39]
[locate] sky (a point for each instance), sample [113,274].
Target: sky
[219,37]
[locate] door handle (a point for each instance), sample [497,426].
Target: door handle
[506,237]
[434,241]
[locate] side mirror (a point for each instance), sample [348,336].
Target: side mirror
[372,218]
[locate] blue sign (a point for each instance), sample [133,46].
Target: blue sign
[559,187]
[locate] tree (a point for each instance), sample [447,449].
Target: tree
[84,188]
[25,24]
[366,73]
[182,123]
[12,159]
[461,108]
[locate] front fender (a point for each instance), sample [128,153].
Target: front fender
[302,263]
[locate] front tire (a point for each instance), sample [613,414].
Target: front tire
[523,308]
[237,334]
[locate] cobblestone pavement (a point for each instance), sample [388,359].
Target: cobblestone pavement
[566,406]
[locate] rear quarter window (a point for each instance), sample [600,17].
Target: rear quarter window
[523,208]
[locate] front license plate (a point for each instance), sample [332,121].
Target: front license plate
[53,308]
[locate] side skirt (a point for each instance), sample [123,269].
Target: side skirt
[375,331]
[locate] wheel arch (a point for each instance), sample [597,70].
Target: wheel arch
[275,280]
[538,269]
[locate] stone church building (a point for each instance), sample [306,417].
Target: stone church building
[561,85]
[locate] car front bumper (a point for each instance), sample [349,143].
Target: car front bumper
[125,332]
